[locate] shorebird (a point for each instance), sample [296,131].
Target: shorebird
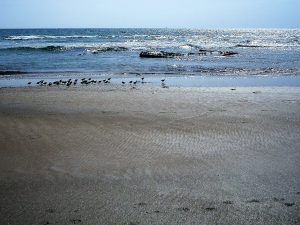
[130,82]
[29,83]
[123,82]
[134,82]
[109,78]
[163,80]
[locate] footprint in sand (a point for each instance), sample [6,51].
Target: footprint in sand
[45,223]
[50,211]
[210,208]
[133,223]
[184,209]
[278,199]
[141,204]
[75,221]
[289,204]
[228,202]
[253,201]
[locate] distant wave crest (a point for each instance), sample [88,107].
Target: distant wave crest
[37,37]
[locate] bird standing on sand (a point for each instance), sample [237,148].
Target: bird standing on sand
[29,83]
[163,80]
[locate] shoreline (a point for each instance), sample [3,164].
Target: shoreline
[149,155]
[172,81]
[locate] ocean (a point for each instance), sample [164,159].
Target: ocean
[263,56]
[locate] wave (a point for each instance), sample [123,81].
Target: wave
[265,46]
[107,49]
[238,71]
[11,72]
[50,48]
[251,46]
[190,46]
[59,48]
[37,37]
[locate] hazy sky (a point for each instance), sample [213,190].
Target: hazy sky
[150,13]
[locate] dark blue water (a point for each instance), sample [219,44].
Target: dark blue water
[115,52]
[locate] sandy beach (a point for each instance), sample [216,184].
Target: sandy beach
[116,155]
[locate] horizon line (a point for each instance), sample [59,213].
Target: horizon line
[179,28]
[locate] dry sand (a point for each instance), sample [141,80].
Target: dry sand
[116,155]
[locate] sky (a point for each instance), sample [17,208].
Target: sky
[149,14]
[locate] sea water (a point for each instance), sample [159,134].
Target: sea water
[268,55]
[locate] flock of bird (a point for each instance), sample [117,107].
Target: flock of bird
[87,81]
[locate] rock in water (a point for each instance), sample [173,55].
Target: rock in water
[228,53]
[160,54]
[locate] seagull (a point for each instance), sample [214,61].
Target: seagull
[29,83]
[123,82]
[163,80]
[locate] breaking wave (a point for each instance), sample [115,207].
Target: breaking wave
[107,49]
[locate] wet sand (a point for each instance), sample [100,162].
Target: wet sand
[117,155]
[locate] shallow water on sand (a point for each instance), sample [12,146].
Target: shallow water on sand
[179,81]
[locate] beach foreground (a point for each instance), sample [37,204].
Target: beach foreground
[149,156]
